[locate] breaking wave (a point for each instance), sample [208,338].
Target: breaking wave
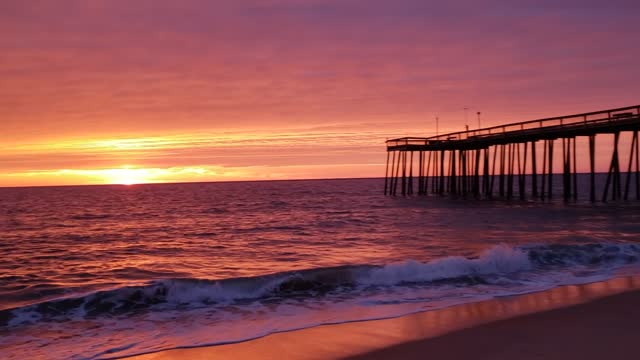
[496,263]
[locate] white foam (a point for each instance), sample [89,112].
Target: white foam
[501,259]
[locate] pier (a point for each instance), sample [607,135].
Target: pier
[497,161]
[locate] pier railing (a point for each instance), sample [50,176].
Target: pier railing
[584,121]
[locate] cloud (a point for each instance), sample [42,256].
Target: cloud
[231,149]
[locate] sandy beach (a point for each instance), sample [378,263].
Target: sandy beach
[578,321]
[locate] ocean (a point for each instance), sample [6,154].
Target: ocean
[99,272]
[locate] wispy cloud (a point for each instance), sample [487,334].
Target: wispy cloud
[203,157]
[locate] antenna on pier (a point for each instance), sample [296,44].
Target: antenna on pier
[478,113]
[465,115]
[437,130]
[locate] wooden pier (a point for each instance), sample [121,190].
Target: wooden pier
[490,162]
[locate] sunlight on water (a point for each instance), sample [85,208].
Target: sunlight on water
[119,268]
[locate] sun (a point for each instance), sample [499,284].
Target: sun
[127,176]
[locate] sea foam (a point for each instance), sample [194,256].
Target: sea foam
[501,259]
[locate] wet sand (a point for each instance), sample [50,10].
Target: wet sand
[590,321]
[608,328]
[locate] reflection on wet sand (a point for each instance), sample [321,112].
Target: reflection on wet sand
[338,341]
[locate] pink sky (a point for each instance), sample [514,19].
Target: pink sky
[105,91]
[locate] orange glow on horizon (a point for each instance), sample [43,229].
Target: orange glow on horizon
[203,156]
[130,175]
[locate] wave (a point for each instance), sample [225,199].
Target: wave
[90,216]
[498,262]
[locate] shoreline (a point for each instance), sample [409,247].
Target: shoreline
[412,335]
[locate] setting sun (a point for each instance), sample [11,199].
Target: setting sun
[127,176]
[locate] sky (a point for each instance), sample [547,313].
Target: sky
[95,92]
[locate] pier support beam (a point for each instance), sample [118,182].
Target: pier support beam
[522,171]
[404,173]
[410,185]
[463,173]
[441,187]
[397,174]
[534,175]
[637,164]
[634,145]
[485,173]
[544,169]
[566,168]
[452,176]
[419,172]
[613,176]
[493,171]
[386,174]
[575,172]
[502,167]
[511,162]
[592,165]
[550,172]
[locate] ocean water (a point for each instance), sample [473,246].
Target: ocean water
[97,272]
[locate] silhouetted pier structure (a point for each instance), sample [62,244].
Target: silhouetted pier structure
[483,162]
